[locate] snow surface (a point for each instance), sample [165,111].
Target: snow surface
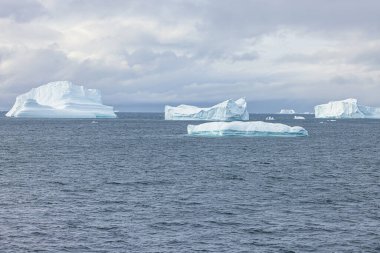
[348,108]
[228,110]
[299,117]
[287,111]
[252,128]
[61,99]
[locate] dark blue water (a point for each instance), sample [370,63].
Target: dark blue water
[139,184]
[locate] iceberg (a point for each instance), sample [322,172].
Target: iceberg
[348,108]
[287,111]
[228,110]
[269,118]
[252,128]
[299,117]
[61,99]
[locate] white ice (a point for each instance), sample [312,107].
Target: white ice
[287,111]
[269,118]
[299,117]
[348,108]
[61,99]
[251,128]
[228,110]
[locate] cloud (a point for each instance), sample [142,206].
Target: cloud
[21,11]
[369,57]
[171,51]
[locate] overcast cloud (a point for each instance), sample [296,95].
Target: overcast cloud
[144,54]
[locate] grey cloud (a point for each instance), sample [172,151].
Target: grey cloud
[370,58]
[145,8]
[249,56]
[21,10]
[320,57]
[238,17]
[300,58]
[224,20]
[347,80]
[154,62]
[161,72]
[249,18]
[25,70]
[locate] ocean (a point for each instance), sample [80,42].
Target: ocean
[140,184]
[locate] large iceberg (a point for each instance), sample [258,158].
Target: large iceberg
[61,99]
[252,128]
[287,111]
[228,110]
[348,108]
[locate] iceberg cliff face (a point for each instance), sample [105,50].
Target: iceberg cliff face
[61,100]
[348,108]
[228,110]
[253,128]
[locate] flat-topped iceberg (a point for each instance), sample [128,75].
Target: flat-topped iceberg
[228,110]
[348,108]
[287,111]
[252,128]
[299,117]
[61,99]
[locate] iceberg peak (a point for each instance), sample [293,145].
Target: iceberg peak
[348,108]
[61,99]
[228,110]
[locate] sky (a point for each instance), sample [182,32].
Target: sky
[144,54]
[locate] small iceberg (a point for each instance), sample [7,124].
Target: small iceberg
[228,110]
[269,118]
[252,128]
[287,111]
[299,117]
[61,99]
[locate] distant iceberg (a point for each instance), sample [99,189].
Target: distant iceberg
[348,108]
[269,118]
[61,99]
[287,111]
[252,128]
[299,117]
[228,110]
